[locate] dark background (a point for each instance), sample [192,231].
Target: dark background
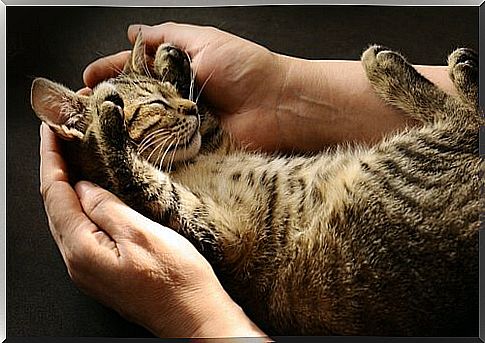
[58,42]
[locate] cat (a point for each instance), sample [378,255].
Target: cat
[379,240]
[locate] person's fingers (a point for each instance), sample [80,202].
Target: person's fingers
[105,68]
[85,91]
[68,224]
[191,38]
[123,223]
[155,35]
[52,165]
[107,211]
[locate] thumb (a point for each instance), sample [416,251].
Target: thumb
[120,221]
[107,211]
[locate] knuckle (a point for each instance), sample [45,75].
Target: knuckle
[170,23]
[78,261]
[45,188]
[212,29]
[135,235]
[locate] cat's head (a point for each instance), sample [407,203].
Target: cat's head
[160,120]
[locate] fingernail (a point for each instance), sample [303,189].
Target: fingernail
[85,91]
[82,187]
[136,27]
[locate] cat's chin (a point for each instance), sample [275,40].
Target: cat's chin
[190,149]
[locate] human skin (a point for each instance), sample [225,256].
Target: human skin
[274,102]
[149,273]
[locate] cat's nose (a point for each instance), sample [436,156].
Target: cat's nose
[188,108]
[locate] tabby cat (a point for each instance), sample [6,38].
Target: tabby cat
[379,240]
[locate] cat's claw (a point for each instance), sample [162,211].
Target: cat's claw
[172,64]
[115,99]
[112,123]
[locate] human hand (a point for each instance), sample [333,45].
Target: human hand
[146,272]
[269,101]
[242,81]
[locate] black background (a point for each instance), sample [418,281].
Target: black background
[58,42]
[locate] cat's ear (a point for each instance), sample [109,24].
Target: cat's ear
[137,63]
[63,110]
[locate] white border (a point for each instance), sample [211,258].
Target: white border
[223,3]
[3,171]
[128,3]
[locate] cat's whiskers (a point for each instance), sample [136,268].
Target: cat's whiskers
[161,144]
[155,134]
[165,153]
[204,84]
[174,151]
[192,79]
[116,69]
[156,141]
[164,75]
[160,148]
[193,72]
[149,143]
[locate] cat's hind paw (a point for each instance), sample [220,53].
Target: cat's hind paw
[399,84]
[463,72]
[381,62]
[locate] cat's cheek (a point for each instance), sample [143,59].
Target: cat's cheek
[192,148]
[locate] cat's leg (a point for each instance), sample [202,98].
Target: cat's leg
[398,83]
[463,71]
[173,65]
[150,191]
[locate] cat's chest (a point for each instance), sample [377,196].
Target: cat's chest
[226,178]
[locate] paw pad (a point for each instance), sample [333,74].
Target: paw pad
[464,57]
[115,99]
[379,57]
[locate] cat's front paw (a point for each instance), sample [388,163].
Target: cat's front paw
[172,64]
[112,126]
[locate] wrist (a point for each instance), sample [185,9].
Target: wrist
[306,104]
[222,317]
[204,311]
[332,102]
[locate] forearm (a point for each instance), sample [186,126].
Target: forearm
[206,313]
[226,319]
[331,102]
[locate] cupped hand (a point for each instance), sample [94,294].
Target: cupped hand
[146,272]
[242,81]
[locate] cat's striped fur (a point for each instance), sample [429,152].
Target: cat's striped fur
[378,240]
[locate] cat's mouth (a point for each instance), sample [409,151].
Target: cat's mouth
[178,149]
[188,143]
[192,139]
